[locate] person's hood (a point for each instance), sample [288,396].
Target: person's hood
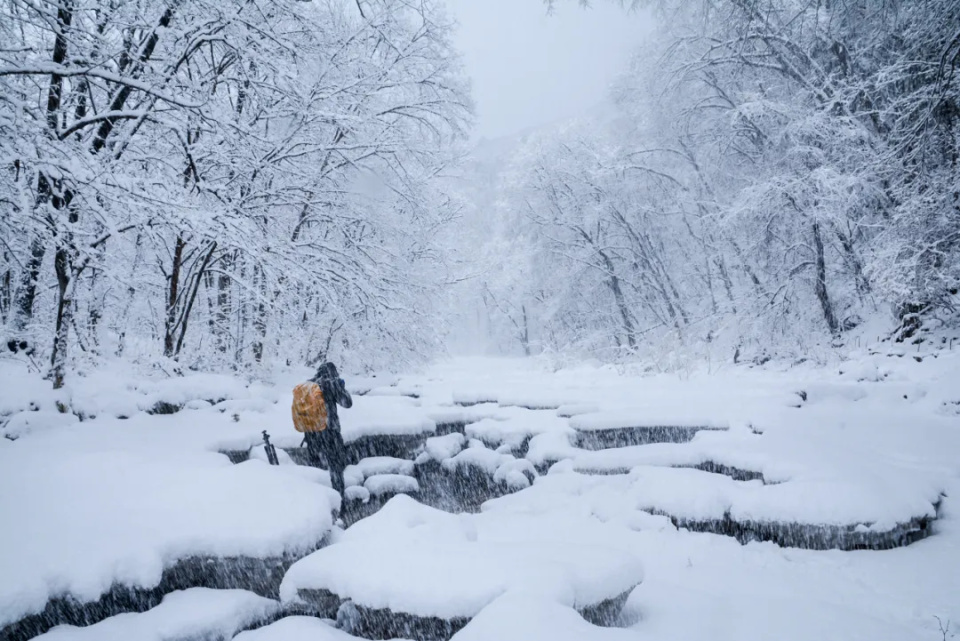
[327,372]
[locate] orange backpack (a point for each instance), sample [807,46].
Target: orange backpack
[309,408]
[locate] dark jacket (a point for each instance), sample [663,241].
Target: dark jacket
[334,393]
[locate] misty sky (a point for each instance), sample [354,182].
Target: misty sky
[529,68]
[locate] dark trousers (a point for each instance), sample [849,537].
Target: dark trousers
[328,446]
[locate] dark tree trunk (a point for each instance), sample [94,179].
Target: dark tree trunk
[746,267]
[853,261]
[55,94]
[260,314]
[5,295]
[727,283]
[65,281]
[120,98]
[821,283]
[173,293]
[614,282]
[185,317]
[64,266]
[27,292]
[525,336]
[223,305]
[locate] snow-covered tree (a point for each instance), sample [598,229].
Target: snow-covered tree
[258,173]
[778,170]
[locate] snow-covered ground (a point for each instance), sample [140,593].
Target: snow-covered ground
[862,453]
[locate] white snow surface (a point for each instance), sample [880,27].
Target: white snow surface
[391,484]
[439,448]
[374,465]
[502,467]
[372,415]
[356,493]
[527,617]
[414,559]
[108,501]
[477,455]
[89,519]
[197,613]
[296,628]
[875,443]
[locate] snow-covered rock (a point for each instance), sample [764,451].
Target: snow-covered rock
[297,628]
[441,448]
[411,559]
[87,521]
[390,484]
[524,617]
[197,613]
[372,466]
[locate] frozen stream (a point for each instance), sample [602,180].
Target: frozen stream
[493,499]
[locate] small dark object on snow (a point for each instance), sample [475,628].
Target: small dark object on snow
[164,407]
[270,449]
[19,346]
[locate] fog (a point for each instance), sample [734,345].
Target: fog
[530,67]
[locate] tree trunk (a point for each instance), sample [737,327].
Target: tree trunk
[222,316]
[821,283]
[120,324]
[49,192]
[96,298]
[173,293]
[120,98]
[65,290]
[745,266]
[260,314]
[525,336]
[727,283]
[5,295]
[185,317]
[854,262]
[27,291]
[614,282]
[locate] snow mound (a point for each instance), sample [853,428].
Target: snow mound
[115,389]
[23,423]
[383,484]
[468,398]
[513,424]
[296,629]
[412,559]
[692,497]
[516,473]
[357,493]
[523,617]
[374,465]
[24,391]
[121,517]
[479,457]
[440,448]
[197,613]
[384,415]
[575,409]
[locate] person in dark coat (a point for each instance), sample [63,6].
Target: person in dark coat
[328,444]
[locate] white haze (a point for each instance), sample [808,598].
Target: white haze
[530,66]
